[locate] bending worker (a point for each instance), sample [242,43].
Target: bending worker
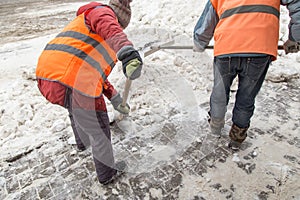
[72,70]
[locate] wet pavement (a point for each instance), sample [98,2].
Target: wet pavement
[69,174]
[55,170]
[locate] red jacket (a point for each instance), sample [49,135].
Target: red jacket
[55,93]
[102,21]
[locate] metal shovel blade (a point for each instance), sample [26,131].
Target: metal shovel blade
[154,48]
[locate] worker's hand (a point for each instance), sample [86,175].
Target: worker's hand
[133,69]
[197,47]
[116,101]
[131,61]
[291,47]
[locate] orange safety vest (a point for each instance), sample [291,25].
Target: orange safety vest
[247,26]
[78,59]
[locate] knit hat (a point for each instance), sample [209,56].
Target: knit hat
[122,10]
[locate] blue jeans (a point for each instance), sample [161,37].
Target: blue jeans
[251,72]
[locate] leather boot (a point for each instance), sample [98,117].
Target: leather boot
[237,136]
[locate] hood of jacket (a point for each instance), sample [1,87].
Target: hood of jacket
[86,7]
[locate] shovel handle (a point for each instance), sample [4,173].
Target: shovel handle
[126,91]
[280,47]
[179,47]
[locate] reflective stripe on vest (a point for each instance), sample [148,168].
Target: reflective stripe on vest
[90,41]
[250,9]
[247,26]
[78,59]
[78,53]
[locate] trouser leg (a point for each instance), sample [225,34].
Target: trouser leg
[95,125]
[92,128]
[251,78]
[81,139]
[224,74]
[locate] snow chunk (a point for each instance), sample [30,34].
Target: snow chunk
[58,125]
[236,158]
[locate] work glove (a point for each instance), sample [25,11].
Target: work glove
[116,101]
[131,61]
[197,47]
[291,47]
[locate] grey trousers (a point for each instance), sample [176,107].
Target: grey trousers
[91,128]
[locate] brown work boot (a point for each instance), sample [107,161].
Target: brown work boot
[237,136]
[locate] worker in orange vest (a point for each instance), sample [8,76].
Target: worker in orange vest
[246,35]
[72,72]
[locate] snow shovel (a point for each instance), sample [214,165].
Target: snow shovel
[144,51]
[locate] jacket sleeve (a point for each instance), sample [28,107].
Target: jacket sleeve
[103,21]
[205,27]
[108,90]
[293,7]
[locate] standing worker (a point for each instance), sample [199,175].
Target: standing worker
[246,35]
[72,72]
